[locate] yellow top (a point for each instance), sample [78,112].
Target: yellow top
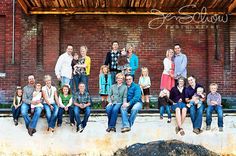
[88,64]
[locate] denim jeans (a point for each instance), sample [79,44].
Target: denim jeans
[77,115]
[167,109]
[128,122]
[60,114]
[31,123]
[196,115]
[65,80]
[15,112]
[112,114]
[113,76]
[51,115]
[78,79]
[219,111]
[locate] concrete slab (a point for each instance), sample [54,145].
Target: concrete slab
[14,140]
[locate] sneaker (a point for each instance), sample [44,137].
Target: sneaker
[72,124]
[108,130]
[81,128]
[220,129]
[208,128]
[125,129]
[161,117]
[200,131]
[58,125]
[169,121]
[15,122]
[113,129]
[196,130]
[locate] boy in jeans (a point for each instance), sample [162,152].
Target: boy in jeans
[214,103]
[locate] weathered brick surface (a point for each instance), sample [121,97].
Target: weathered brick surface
[39,41]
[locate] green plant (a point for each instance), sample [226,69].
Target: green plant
[226,104]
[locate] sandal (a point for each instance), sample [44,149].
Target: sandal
[181,131]
[177,129]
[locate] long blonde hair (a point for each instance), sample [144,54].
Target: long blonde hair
[102,67]
[144,69]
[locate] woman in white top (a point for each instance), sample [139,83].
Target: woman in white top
[50,103]
[167,78]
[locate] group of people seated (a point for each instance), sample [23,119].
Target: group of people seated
[32,98]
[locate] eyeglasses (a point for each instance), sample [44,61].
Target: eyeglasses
[129,79]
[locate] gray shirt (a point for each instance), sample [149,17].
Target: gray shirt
[117,94]
[28,94]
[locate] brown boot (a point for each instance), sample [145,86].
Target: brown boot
[147,105]
[103,104]
[144,104]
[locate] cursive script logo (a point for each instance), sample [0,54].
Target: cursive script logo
[183,18]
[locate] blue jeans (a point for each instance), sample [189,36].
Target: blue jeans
[219,111]
[113,76]
[15,112]
[30,123]
[78,79]
[60,114]
[128,122]
[196,115]
[112,114]
[51,115]
[65,80]
[167,109]
[77,115]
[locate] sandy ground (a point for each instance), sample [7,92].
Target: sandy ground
[14,140]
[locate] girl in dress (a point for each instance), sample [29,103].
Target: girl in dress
[167,78]
[145,84]
[105,83]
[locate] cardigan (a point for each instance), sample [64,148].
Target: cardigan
[117,94]
[133,63]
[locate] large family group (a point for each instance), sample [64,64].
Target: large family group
[118,91]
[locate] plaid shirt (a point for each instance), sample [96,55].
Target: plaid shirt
[81,98]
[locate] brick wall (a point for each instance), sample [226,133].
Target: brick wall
[41,39]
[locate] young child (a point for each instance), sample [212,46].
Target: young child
[74,63]
[65,104]
[17,101]
[196,99]
[123,64]
[105,83]
[164,104]
[37,96]
[145,84]
[214,103]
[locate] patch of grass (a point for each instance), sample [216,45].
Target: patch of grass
[5,106]
[226,104]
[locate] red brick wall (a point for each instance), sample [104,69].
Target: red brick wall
[40,39]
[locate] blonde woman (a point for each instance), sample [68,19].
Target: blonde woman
[84,64]
[117,97]
[145,84]
[50,103]
[167,78]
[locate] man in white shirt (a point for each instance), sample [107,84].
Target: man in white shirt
[63,68]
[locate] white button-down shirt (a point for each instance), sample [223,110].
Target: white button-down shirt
[63,66]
